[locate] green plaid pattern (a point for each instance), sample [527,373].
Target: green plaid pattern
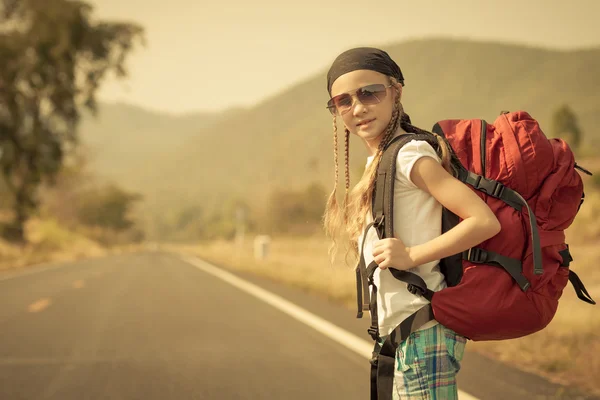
[427,363]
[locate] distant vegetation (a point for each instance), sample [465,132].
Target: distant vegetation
[197,162]
[202,175]
[286,212]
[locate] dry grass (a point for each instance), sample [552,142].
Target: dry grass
[50,242]
[561,352]
[301,262]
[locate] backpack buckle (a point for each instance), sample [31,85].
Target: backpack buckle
[476,255]
[372,332]
[489,186]
[417,291]
[498,190]
[374,359]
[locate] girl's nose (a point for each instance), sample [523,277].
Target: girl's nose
[358,108]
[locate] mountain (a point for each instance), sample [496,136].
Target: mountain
[124,142]
[286,140]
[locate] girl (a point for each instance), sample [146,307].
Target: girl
[365,86]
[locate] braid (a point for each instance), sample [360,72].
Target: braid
[332,210]
[347,172]
[331,218]
[335,154]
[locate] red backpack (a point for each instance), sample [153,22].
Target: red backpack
[508,286]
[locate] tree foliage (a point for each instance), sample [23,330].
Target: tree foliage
[109,207]
[565,125]
[54,57]
[290,211]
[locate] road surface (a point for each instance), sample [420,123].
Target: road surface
[159,326]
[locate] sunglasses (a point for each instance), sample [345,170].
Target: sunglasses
[367,95]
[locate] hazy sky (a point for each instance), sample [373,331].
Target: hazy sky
[209,55]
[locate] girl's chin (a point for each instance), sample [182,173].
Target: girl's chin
[368,134]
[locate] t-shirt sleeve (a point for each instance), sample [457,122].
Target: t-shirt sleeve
[408,156]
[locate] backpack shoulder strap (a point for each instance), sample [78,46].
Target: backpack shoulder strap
[383,196]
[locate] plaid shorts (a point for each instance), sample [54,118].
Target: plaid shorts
[427,363]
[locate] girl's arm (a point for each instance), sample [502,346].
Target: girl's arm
[479,222]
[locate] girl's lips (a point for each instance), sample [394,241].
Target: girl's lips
[365,122]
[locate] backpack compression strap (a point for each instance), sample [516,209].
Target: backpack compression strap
[500,191]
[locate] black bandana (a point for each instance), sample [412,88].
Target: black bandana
[363,58]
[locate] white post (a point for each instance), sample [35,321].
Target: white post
[261,247]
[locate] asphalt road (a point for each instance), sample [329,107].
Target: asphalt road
[155,326]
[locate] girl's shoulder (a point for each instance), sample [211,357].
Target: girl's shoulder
[409,154]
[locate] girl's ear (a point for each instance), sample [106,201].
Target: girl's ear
[398,90]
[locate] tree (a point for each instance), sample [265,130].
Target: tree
[299,210]
[315,199]
[565,125]
[57,200]
[54,58]
[108,207]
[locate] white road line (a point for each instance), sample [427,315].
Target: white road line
[32,269]
[343,337]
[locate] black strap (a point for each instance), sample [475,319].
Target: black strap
[514,199]
[566,257]
[582,293]
[579,287]
[511,265]
[373,329]
[384,355]
[382,363]
[407,277]
[492,188]
[383,206]
[378,200]
[359,293]
[374,361]
[416,284]
[362,276]
[383,210]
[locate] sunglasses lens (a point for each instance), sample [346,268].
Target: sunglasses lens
[331,106]
[341,103]
[372,94]
[367,95]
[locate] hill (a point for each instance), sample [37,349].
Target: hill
[286,140]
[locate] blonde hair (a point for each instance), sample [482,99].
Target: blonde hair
[349,220]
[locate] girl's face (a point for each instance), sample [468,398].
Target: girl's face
[365,109]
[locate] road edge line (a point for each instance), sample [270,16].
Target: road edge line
[334,332]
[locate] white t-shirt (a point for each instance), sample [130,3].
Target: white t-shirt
[417,219]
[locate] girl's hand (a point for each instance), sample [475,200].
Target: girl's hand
[392,253]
